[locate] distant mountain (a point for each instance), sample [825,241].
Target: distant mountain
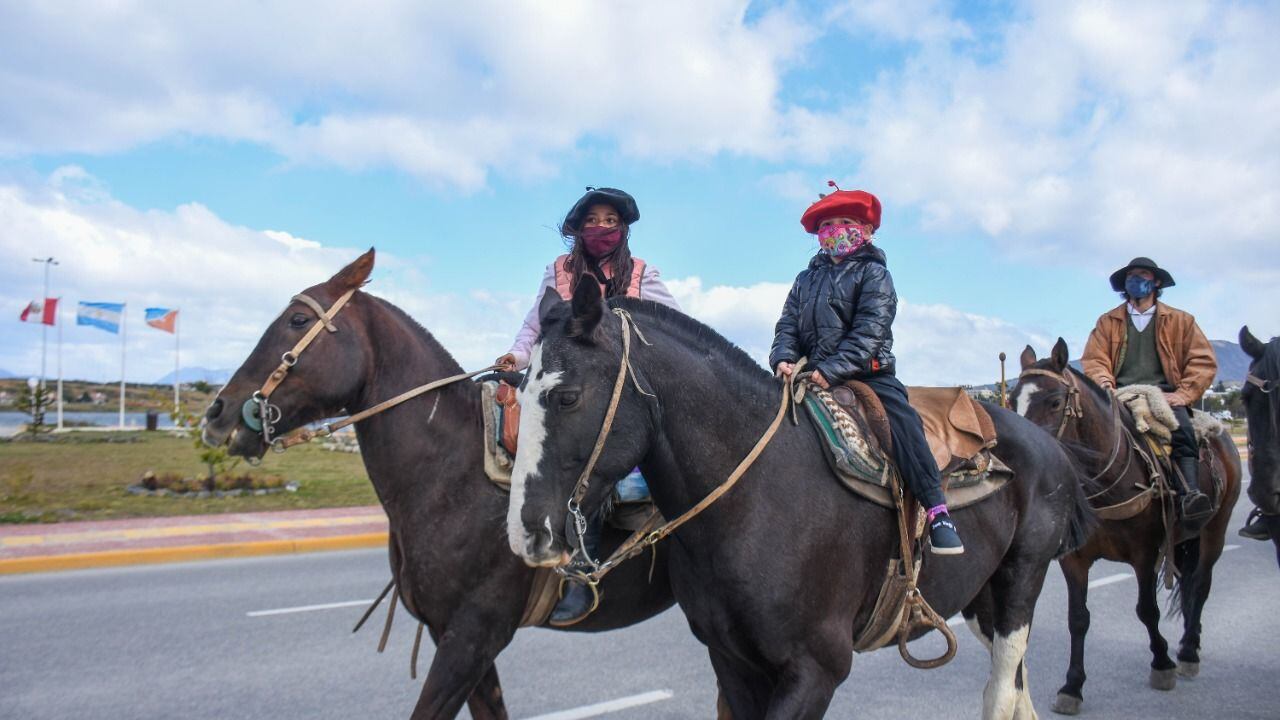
[192,374]
[5,374]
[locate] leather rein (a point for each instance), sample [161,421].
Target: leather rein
[647,538]
[260,415]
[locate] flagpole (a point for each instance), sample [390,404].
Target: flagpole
[44,329]
[124,337]
[177,350]
[58,322]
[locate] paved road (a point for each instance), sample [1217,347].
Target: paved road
[190,641]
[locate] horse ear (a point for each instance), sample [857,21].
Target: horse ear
[1060,355]
[1028,357]
[1250,344]
[356,274]
[550,299]
[588,309]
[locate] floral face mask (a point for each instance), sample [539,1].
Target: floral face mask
[842,240]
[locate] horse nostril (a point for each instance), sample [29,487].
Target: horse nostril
[215,409]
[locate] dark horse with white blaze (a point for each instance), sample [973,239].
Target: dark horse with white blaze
[779,575]
[1262,406]
[451,565]
[1101,432]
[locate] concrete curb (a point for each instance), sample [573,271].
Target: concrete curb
[186,553]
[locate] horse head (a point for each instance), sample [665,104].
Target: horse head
[1261,396]
[286,383]
[1053,395]
[565,398]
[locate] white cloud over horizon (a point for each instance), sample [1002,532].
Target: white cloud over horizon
[231,281]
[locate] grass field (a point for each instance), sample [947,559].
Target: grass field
[83,476]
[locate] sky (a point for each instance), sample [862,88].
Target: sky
[218,158]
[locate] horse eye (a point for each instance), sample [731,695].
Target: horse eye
[298,320]
[568,399]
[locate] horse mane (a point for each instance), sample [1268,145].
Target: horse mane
[1269,363]
[416,329]
[696,334]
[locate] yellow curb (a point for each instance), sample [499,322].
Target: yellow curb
[187,553]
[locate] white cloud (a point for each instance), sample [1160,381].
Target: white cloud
[447,93]
[228,281]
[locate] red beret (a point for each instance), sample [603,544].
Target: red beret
[856,204]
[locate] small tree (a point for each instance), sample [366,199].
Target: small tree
[201,386]
[34,403]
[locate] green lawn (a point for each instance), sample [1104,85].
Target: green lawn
[83,476]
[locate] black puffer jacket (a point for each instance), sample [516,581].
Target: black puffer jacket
[840,316]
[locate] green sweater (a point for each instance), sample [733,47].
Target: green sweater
[1141,361]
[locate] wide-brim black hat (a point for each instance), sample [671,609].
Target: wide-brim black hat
[619,200]
[1146,263]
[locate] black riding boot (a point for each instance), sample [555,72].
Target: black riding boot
[578,600]
[1196,506]
[1258,526]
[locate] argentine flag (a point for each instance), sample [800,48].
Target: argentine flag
[106,316]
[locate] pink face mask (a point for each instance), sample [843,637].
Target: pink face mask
[842,240]
[600,240]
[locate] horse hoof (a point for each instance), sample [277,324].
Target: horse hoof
[1067,704]
[1188,669]
[1164,679]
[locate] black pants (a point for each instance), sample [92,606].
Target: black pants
[1183,444]
[910,449]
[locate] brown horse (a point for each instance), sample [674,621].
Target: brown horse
[1100,432]
[448,551]
[1262,406]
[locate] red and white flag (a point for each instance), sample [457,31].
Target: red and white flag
[41,311]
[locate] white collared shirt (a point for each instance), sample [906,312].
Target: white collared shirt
[1141,319]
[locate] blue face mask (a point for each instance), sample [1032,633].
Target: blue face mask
[1138,287]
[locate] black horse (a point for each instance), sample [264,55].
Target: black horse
[779,575]
[1262,406]
[1056,396]
[447,550]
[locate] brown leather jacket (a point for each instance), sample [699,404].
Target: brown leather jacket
[1185,353]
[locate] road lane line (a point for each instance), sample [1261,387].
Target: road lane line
[589,711]
[1231,547]
[308,608]
[1109,580]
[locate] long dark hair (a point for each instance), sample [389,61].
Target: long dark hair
[579,263]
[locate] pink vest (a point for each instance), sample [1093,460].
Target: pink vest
[564,279]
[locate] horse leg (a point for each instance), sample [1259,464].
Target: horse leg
[1163,675]
[979,615]
[1075,569]
[743,693]
[462,671]
[804,689]
[1015,587]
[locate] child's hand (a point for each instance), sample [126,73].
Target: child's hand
[784,369]
[506,363]
[820,381]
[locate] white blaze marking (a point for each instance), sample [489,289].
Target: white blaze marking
[1001,696]
[1022,403]
[533,433]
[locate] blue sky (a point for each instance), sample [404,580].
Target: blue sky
[220,163]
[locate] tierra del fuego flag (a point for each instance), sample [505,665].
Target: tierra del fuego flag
[44,312]
[162,319]
[106,316]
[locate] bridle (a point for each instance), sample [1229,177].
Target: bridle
[261,416]
[648,536]
[1073,410]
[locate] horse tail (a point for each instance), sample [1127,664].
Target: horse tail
[1082,520]
[1185,571]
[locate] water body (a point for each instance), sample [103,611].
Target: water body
[12,422]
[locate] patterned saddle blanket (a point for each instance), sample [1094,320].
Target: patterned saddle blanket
[855,435]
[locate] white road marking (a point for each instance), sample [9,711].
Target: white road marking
[1230,547]
[1108,580]
[308,608]
[609,706]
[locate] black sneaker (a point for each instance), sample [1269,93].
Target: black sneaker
[943,538]
[1257,527]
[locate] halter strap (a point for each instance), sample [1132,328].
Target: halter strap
[290,358]
[1265,386]
[1074,409]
